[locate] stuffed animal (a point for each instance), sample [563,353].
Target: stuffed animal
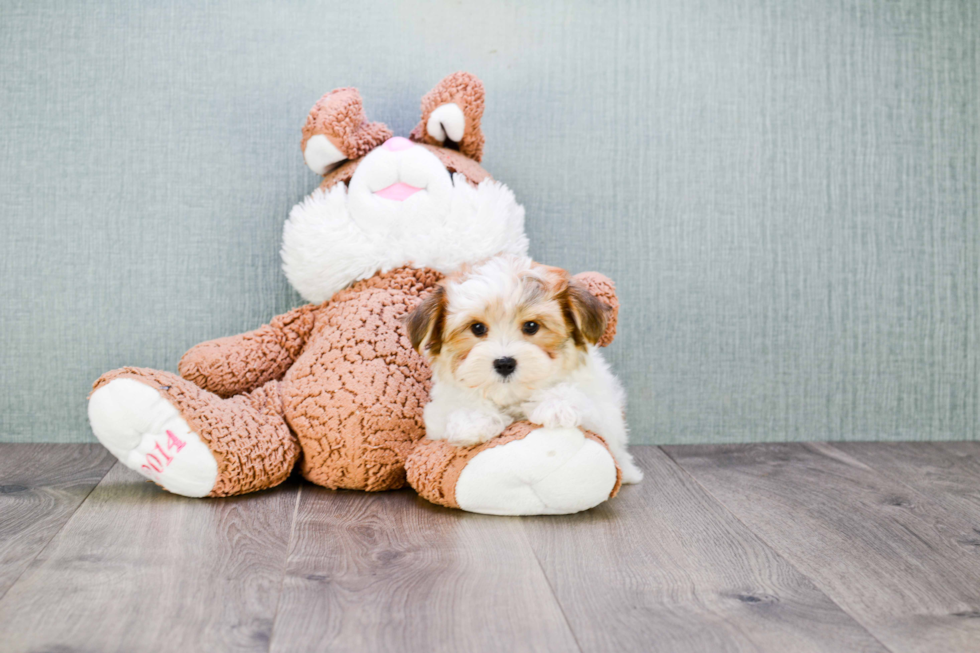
[335,385]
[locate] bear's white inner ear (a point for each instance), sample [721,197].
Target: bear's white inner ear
[321,155]
[446,120]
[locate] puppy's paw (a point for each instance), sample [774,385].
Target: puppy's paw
[554,412]
[466,428]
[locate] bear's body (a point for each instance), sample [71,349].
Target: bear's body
[354,398]
[352,387]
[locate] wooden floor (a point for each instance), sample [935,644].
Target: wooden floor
[785,547]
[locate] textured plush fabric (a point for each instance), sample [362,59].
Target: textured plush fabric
[340,381]
[605,289]
[247,434]
[352,388]
[355,396]
[339,115]
[466,91]
[352,398]
[434,466]
[786,193]
[458,162]
[236,364]
[453,160]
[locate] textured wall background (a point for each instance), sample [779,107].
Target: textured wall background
[787,191]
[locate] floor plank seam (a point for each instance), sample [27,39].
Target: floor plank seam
[56,533]
[772,548]
[554,594]
[285,565]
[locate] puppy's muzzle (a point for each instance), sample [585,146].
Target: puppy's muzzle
[505,366]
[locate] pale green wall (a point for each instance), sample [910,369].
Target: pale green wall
[785,190]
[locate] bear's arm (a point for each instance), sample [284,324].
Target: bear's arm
[237,364]
[603,287]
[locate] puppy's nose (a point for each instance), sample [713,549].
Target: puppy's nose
[505,366]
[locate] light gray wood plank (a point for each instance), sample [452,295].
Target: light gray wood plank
[899,563]
[391,572]
[947,472]
[663,567]
[41,486]
[138,569]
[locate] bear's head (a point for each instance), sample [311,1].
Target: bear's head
[391,201]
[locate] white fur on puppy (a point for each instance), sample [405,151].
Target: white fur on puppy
[509,339]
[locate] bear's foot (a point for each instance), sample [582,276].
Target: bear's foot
[190,441]
[147,434]
[528,470]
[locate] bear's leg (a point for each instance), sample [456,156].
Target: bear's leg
[527,470]
[189,441]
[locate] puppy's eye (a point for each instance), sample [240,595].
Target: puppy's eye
[530,328]
[479,329]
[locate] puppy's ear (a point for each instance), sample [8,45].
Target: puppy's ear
[425,323]
[588,314]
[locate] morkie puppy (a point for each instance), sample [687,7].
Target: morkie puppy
[509,339]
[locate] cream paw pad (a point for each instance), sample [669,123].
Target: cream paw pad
[528,470]
[147,434]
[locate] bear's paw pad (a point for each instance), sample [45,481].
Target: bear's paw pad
[147,434]
[551,471]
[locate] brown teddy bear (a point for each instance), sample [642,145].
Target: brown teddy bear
[336,384]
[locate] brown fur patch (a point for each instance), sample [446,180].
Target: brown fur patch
[554,331]
[586,313]
[602,287]
[459,342]
[458,346]
[426,322]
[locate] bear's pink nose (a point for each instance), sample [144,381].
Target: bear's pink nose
[398,143]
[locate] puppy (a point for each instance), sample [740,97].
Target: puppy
[509,339]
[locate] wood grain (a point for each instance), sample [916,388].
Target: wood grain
[41,486]
[856,547]
[947,472]
[664,567]
[138,569]
[391,572]
[900,563]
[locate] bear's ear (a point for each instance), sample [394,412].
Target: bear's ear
[451,114]
[337,129]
